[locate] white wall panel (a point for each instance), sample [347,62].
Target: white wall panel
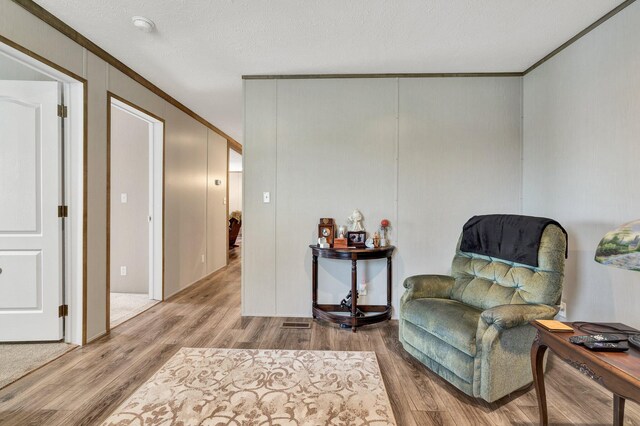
[259,219]
[333,146]
[336,152]
[581,155]
[459,156]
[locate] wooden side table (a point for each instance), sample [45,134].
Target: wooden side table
[373,313]
[619,372]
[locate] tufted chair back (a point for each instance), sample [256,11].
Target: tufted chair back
[485,282]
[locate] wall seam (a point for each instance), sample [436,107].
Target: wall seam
[275,206]
[522,145]
[206,209]
[394,271]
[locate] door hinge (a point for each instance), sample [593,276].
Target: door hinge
[62,111]
[63,311]
[63,211]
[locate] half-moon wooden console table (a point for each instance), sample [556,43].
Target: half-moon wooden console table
[373,313]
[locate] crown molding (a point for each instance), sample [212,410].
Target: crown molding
[581,34]
[383,75]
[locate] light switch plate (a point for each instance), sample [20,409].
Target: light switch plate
[266,197]
[123,198]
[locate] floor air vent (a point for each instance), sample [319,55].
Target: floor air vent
[296,325]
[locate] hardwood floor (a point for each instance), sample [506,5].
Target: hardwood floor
[85,385]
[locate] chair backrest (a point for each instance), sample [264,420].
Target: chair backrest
[234,230]
[485,282]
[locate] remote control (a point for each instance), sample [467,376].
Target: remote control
[607,347]
[603,338]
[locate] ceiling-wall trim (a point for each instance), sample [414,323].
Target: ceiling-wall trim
[383,75]
[53,21]
[581,34]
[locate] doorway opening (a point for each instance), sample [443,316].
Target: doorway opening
[135,215]
[235,202]
[41,211]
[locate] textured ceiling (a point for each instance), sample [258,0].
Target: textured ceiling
[203,47]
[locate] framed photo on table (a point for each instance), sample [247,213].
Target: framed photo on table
[357,238]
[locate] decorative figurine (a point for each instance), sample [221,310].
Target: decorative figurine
[342,231]
[376,239]
[369,243]
[355,220]
[322,243]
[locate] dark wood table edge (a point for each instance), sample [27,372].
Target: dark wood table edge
[616,381]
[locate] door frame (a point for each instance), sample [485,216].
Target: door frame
[74,92]
[156,189]
[237,149]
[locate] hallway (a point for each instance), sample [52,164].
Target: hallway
[86,385]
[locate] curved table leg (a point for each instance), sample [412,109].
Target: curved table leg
[537,363]
[354,293]
[314,282]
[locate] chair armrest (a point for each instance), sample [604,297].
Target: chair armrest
[509,316]
[427,286]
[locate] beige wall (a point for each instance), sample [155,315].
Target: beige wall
[187,143]
[235,191]
[424,153]
[217,223]
[129,221]
[581,155]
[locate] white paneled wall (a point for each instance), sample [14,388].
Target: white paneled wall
[424,153]
[459,156]
[581,156]
[259,170]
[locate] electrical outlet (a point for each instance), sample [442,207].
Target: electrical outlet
[266,197]
[563,310]
[224,201]
[202,258]
[123,270]
[123,198]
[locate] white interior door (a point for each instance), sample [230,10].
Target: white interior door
[30,231]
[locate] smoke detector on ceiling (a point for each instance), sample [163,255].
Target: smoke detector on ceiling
[143,24]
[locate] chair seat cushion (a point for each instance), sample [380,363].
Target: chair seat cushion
[449,320]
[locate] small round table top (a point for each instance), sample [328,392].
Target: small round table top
[353,253]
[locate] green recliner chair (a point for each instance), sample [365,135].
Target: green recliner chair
[472,328]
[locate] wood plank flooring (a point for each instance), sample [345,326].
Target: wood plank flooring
[85,385]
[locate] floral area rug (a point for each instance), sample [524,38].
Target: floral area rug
[261,387]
